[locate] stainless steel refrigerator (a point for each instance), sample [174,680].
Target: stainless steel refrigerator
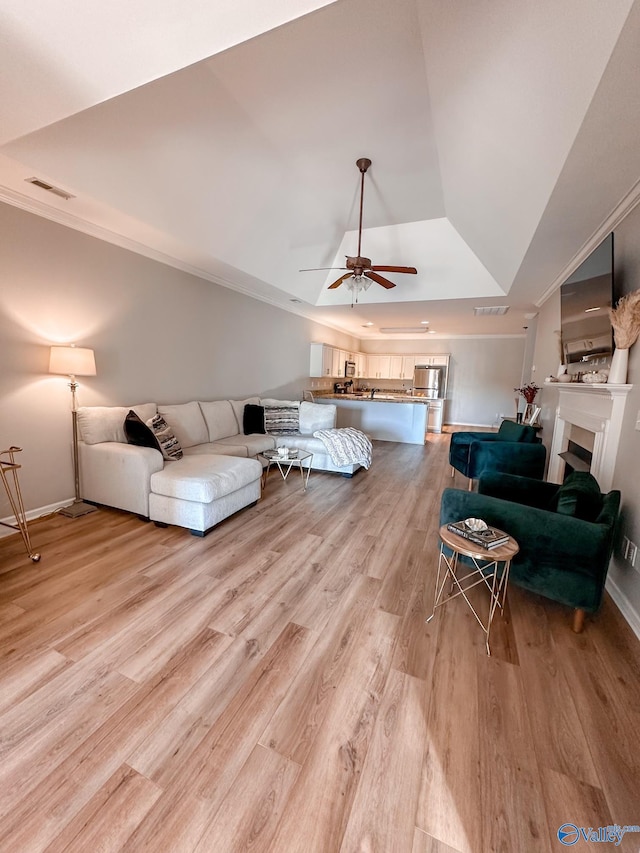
[427,381]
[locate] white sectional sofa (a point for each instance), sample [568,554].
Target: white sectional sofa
[218,474]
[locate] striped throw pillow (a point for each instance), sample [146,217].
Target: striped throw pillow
[282,420]
[164,435]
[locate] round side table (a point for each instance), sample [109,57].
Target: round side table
[490,567]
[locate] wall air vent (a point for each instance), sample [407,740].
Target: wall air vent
[491,311]
[37,182]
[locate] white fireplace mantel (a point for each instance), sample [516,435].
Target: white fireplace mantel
[598,409]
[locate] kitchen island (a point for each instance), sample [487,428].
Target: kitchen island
[387,417]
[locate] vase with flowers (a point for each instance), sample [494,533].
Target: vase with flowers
[529,393]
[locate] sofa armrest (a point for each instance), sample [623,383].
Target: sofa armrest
[118,475]
[522,490]
[509,457]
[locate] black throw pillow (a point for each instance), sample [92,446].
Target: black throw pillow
[253,420]
[138,432]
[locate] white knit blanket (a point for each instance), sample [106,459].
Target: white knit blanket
[346,446]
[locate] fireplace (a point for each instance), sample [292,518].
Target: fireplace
[587,431]
[576,458]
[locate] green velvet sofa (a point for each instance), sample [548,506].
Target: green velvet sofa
[514,449]
[565,533]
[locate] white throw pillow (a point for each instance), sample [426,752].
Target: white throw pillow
[187,422]
[314,416]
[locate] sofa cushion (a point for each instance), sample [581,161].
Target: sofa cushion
[187,422]
[253,420]
[510,431]
[167,442]
[138,433]
[238,409]
[106,423]
[282,420]
[578,496]
[218,448]
[220,419]
[314,416]
[205,478]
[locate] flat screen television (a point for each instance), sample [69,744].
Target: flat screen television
[585,297]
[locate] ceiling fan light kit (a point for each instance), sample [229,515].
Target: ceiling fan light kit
[361,270]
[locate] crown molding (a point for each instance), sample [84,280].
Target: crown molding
[615,217]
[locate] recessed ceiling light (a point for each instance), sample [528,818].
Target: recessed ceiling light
[424,322]
[431,332]
[364,325]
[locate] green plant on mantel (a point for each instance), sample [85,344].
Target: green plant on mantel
[625,319]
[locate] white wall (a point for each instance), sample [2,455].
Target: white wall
[158,334]
[482,374]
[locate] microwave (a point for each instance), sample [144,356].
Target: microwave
[350,368]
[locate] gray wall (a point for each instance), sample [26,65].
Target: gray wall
[482,375]
[159,335]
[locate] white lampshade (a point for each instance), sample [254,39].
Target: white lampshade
[74,361]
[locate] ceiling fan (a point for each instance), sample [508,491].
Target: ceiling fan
[361,272]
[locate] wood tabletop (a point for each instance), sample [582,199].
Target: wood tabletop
[469,549]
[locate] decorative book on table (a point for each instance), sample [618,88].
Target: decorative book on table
[488,538]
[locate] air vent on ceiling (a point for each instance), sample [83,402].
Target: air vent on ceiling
[491,311]
[37,182]
[412,330]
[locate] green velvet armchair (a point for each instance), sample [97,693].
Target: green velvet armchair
[565,533]
[514,449]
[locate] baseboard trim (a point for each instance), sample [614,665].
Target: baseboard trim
[31,515]
[632,617]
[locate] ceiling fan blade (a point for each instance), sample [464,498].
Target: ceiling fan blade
[411,270]
[339,281]
[317,269]
[379,279]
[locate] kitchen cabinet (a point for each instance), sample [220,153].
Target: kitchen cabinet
[396,367]
[361,365]
[321,360]
[337,363]
[378,366]
[436,412]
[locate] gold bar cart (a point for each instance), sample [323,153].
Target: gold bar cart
[9,473]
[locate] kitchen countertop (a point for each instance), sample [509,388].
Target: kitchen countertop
[379,398]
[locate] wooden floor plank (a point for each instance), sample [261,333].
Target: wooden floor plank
[384,808]
[249,814]
[318,810]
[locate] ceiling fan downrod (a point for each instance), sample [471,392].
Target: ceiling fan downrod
[363,164]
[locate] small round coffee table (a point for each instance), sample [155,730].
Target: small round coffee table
[490,567]
[302,460]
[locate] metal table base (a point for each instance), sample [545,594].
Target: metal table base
[485,570]
[9,474]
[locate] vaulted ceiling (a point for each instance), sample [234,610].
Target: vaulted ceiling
[222,138]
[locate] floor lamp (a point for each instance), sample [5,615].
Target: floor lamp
[74,361]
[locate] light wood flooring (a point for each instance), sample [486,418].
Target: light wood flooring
[274,686]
